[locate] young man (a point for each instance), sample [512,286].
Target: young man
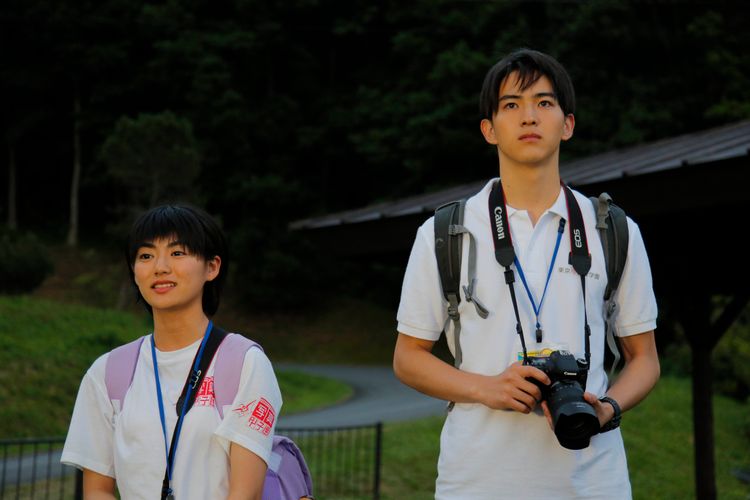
[497,441]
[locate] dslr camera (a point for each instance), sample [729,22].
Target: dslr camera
[574,420]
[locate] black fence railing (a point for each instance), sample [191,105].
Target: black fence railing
[31,469]
[344,463]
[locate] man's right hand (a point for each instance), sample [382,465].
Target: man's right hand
[416,366]
[512,389]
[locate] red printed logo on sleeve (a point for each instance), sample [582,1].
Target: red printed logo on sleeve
[243,410]
[205,396]
[262,417]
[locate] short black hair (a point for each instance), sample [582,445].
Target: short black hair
[192,227]
[530,65]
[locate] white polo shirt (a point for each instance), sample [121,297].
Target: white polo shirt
[491,454]
[128,445]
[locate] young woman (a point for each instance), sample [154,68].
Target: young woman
[177,258]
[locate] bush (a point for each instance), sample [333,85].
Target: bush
[24,262]
[731,372]
[730,359]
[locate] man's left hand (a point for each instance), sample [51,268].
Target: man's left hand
[604,411]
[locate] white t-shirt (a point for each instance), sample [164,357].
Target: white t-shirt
[491,454]
[129,445]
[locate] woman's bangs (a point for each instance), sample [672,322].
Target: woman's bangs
[173,224]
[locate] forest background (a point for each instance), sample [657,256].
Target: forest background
[269,112]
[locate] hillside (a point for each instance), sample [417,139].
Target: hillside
[344,330]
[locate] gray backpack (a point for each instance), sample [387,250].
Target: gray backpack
[611,224]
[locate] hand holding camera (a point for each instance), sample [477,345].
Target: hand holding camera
[517,388]
[574,419]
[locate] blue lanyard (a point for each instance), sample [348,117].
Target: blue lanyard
[176,437]
[538,309]
[505,255]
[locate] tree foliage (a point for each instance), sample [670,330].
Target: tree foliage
[153,156]
[311,106]
[24,262]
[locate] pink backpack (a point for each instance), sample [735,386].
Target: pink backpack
[287,477]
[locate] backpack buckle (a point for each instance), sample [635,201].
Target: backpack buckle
[453,312]
[456,229]
[194,377]
[453,301]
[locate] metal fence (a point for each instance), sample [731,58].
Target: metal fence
[344,463]
[31,469]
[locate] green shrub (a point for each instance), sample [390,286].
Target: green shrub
[731,372]
[24,262]
[729,359]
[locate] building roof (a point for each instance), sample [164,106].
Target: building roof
[720,143]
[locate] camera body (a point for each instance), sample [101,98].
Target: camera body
[574,420]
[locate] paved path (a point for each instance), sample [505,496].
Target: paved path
[378,397]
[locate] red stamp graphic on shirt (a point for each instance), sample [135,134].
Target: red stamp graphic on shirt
[243,410]
[262,417]
[205,396]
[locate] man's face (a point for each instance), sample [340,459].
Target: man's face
[528,125]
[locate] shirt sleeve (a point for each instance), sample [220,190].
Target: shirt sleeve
[251,420]
[637,310]
[89,444]
[422,311]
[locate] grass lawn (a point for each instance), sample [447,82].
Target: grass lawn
[410,453]
[303,392]
[48,346]
[658,438]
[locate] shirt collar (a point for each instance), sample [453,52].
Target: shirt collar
[559,207]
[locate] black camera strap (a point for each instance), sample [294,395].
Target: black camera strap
[505,254]
[201,362]
[580,259]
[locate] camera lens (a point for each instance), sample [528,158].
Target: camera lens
[574,420]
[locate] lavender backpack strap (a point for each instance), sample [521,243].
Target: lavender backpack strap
[119,370]
[287,477]
[229,360]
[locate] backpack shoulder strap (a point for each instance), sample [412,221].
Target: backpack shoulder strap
[448,251]
[621,237]
[612,225]
[449,231]
[288,476]
[229,360]
[448,248]
[119,370]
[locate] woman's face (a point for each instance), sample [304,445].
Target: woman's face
[169,277]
